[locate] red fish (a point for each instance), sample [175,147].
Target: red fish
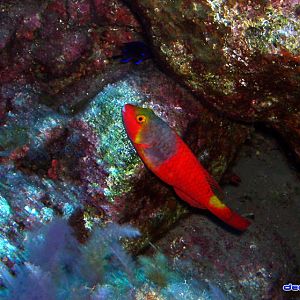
[169,158]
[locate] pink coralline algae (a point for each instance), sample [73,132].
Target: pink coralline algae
[28,27]
[80,11]
[8,26]
[114,13]
[57,43]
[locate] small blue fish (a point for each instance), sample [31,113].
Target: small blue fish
[136,51]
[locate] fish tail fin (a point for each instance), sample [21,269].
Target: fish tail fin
[228,216]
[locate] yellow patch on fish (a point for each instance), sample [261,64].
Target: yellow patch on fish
[214,201]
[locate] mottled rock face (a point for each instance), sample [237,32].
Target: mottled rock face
[63,147]
[254,265]
[58,43]
[241,57]
[90,155]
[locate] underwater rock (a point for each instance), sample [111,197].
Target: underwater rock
[59,52]
[253,265]
[125,190]
[79,159]
[57,43]
[61,41]
[289,127]
[56,266]
[114,12]
[96,42]
[241,57]
[7,26]
[27,195]
[80,11]
[28,27]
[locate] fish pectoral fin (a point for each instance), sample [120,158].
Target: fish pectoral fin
[188,199]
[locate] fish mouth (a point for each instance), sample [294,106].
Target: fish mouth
[128,112]
[129,120]
[128,107]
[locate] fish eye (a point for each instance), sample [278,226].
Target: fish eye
[140,119]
